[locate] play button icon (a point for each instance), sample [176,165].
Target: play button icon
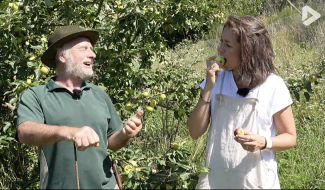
[305,11]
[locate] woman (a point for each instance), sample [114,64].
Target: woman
[246,94]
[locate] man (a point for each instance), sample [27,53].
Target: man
[68,109]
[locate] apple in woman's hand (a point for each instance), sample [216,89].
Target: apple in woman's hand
[239,131]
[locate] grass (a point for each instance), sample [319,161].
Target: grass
[286,12]
[302,167]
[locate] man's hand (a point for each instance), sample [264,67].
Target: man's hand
[39,134]
[132,126]
[83,137]
[130,129]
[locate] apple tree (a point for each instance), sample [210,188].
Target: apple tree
[134,36]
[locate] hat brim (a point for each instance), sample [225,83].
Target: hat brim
[48,57]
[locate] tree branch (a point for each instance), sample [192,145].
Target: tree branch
[98,11]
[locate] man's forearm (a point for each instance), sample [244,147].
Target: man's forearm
[38,134]
[117,141]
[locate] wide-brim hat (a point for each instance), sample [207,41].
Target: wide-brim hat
[62,36]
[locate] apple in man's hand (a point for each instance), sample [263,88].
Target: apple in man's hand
[239,131]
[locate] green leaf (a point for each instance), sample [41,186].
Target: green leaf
[13,100]
[161,162]
[31,64]
[130,175]
[7,125]
[26,9]
[203,169]
[307,96]
[9,138]
[297,96]
[2,142]
[129,185]
[48,3]
[36,47]
[162,174]
[187,167]
[184,176]
[12,64]
[307,85]
[136,184]
[186,162]
[145,171]
[8,92]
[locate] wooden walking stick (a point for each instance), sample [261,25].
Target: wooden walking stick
[76,165]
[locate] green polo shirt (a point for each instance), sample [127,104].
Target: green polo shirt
[55,105]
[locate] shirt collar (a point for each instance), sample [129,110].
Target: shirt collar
[51,85]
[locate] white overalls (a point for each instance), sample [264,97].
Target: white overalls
[232,167]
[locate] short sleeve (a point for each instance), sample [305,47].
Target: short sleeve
[115,124]
[282,97]
[202,85]
[29,108]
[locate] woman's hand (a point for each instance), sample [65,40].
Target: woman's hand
[212,71]
[250,141]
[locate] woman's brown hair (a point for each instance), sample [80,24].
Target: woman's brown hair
[256,49]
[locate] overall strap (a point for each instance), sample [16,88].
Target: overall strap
[223,77]
[258,91]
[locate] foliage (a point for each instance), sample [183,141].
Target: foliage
[238,7]
[159,165]
[304,85]
[223,8]
[166,170]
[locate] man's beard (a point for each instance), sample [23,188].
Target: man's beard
[75,69]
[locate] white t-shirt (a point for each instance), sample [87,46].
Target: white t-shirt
[273,96]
